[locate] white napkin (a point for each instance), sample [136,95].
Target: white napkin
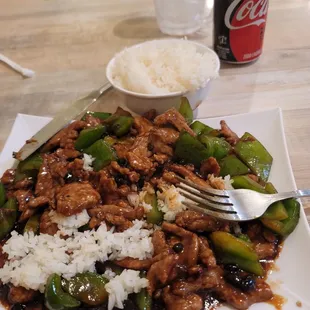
[23,71]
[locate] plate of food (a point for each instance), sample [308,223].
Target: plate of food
[94,220]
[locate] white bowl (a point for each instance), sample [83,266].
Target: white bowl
[140,103]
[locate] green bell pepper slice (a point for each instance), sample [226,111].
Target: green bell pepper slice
[245,238]
[103,154]
[8,216]
[154,216]
[276,211]
[2,195]
[200,128]
[28,168]
[88,288]
[33,224]
[216,147]
[33,162]
[254,155]
[232,250]
[143,300]
[100,115]
[243,181]
[254,267]
[121,126]
[190,149]
[186,111]
[55,297]
[287,226]
[89,136]
[231,165]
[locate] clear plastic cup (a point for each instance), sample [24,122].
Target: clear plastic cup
[179,17]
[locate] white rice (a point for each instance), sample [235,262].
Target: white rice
[33,258]
[121,286]
[170,202]
[88,161]
[69,224]
[109,274]
[159,67]
[228,182]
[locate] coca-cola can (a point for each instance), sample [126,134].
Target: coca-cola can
[239,27]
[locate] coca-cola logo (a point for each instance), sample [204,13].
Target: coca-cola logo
[252,12]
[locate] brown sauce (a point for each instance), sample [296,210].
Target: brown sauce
[277,301]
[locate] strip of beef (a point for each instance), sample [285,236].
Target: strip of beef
[127,212]
[75,168]
[144,264]
[162,140]
[196,221]
[168,176]
[46,186]
[138,155]
[135,264]
[27,203]
[174,302]
[142,125]
[209,279]
[173,117]
[240,300]
[188,174]
[37,202]
[8,177]
[63,136]
[150,115]
[66,154]
[25,183]
[119,221]
[205,253]
[46,224]
[75,197]
[210,166]
[159,242]
[161,158]
[20,295]
[160,271]
[266,250]
[189,256]
[123,147]
[23,196]
[133,176]
[229,135]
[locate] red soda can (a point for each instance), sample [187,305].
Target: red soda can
[239,27]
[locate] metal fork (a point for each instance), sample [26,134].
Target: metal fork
[231,205]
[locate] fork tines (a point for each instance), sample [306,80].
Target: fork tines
[207,199]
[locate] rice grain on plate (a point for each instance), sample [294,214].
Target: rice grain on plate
[121,286]
[158,67]
[88,160]
[170,202]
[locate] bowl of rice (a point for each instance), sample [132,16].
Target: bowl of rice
[155,74]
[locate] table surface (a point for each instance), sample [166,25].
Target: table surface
[68,44]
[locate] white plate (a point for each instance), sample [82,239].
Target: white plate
[291,279]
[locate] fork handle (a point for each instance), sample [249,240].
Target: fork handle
[293,194]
